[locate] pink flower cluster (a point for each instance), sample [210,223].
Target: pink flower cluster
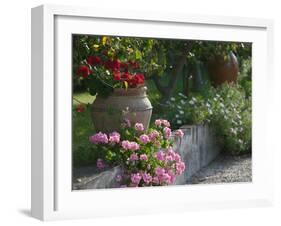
[148,158]
[134,157]
[114,138]
[167,132]
[127,145]
[154,134]
[174,166]
[143,157]
[171,166]
[179,133]
[164,122]
[135,178]
[99,138]
[144,139]
[139,127]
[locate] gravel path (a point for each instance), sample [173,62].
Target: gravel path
[225,169]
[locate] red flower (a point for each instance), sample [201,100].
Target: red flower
[93,60]
[138,79]
[133,64]
[80,108]
[83,71]
[124,66]
[113,65]
[117,75]
[126,76]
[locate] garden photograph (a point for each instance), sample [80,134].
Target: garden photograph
[158,112]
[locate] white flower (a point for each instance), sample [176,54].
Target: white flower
[177,116]
[107,72]
[172,99]
[222,105]
[179,122]
[240,141]
[215,99]
[208,105]
[183,102]
[191,102]
[210,111]
[179,107]
[182,95]
[181,112]
[194,99]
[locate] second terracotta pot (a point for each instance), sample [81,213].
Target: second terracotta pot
[223,70]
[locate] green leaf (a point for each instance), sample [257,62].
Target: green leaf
[138,54]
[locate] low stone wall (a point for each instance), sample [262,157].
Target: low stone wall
[197,148]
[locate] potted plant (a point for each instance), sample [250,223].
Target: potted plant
[223,68]
[118,85]
[222,64]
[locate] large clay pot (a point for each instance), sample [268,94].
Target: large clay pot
[131,104]
[223,70]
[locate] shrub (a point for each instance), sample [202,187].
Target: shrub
[146,158]
[226,109]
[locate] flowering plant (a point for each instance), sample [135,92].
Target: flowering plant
[226,109]
[146,158]
[103,70]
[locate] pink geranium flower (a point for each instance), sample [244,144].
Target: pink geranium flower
[179,133]
[143,157]
[153,135]
[139,127]
[134,157]
[144,139]
[135,178]
[99,138]
[167,132]
[147,178]
[160,155]
[159,171]
[158,122]
[114,138]
[166,123]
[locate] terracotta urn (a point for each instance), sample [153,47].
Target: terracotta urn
[133,105]
[223,70]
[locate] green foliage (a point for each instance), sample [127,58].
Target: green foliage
[206,50]
[245,76]
[226,109]
[82,128]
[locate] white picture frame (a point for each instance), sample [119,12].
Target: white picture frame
[52,197]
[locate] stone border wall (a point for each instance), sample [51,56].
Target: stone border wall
[198,148]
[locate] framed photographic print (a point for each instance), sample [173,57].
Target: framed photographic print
[148,112]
